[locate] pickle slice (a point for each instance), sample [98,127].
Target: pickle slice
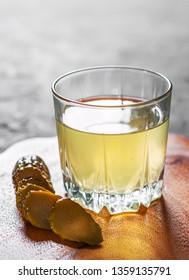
[43,182]
[32,161]
[34,169]
[70,221]
[37,206]
[22,191]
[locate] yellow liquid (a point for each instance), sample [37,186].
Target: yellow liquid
[112,162]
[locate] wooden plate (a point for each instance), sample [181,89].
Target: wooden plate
[160,232]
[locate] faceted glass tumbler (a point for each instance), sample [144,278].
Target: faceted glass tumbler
[112,127]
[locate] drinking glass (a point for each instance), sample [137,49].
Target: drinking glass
[112,126]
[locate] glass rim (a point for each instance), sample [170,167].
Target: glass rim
[137,104]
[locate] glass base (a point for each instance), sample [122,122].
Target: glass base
[115,203]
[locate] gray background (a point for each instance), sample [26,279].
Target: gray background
[42,39]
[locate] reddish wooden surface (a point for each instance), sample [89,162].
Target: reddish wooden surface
[160,232]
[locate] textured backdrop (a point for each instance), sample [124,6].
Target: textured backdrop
[42,39]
